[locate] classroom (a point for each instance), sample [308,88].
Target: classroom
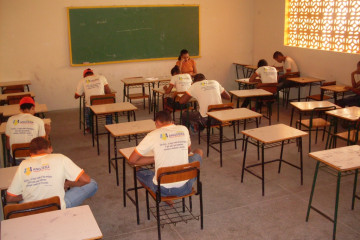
[232,203]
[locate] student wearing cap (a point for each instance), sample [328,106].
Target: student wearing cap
[23,127]
[92,85]
[46,175]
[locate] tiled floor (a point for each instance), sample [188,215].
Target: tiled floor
[233,210]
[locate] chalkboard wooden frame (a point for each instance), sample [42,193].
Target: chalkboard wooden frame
[90,61]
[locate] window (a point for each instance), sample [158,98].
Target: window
[331,25]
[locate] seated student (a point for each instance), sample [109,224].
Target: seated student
[206,92]
[92,85]
[267,74]
[171,145]
[355,82]
[23,127]
[46,175]
[181,82]
[289,68]
[186,64]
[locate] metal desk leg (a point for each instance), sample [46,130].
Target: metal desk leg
[92,127]
[116,163]
[221,139]
[262,169]
[354,190]
[124,92]
[109,154]
[97,135]
[243,165]
[336,203]
[80,113]
[299,92]
[301,161]
[136,198]
[237,72]
[312,190]
[292,116]
[124,182]
[281,155]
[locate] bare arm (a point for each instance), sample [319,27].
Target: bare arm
[11,198]
[83,180]
[185,98]
[47,131]
[137,159]
[168,88]
[253,77]
[225,95]
[107,89]
[195,70]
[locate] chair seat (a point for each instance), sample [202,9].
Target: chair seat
[344,135]
[318,97]
[169,198]
[317,122]
[137,96]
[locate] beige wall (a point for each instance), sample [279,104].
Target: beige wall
[269,37]
[34,45]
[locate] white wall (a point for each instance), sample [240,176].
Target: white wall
[269,37]
[34,45]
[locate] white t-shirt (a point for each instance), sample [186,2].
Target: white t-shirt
[43,176]
[289,63]
[23,128]
[182,82]
[357,77]
[170,146]
[267,74]
[206,92]
[91,85]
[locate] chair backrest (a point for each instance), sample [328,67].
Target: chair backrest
[13,89]
[219,107]
[102,99]
[320,110]
[270,87]
[20,150]
[178,173]
[11,100]
[30,208]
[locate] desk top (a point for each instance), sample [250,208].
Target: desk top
[126,152]
[234,114]
[304,79]
[241,64]
[348,113]
[250,93]
[3,97]
[341,159]
[309,106]
[336,88]
[3,125]
[11,110]
[140,80]
[129,128]
[15,83]
[67,224]
[246,81]
[161,90]
[274,133]
[6,176]
[112,108]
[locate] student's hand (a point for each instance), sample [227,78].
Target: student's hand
[47,128]
[165,87]
[67,185]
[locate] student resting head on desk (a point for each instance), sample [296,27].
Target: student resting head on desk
[171,146]
[91,85]
[206,92]
[186,64]
[267,78]
[46,175]
[355,88]
[23,127]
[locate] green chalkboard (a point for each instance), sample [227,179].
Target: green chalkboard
[132,33]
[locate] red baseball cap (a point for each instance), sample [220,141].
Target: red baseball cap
[87,71]
[27,100]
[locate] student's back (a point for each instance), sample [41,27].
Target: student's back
[91,85]
[181,82]
[267,74]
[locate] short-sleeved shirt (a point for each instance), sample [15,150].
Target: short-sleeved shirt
[289,63]
[357,77]
[206,92]
[90,86]
[24,127]
[43,176]
[267,74]
[170,146]
[187,67]
[182,82]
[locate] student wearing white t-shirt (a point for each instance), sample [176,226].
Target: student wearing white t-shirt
[92,85]
[289,68]
[24,127]
[46,175]
[170,144]
[355,83]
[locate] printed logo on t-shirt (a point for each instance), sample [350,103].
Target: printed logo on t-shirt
[17,121]
[27,171]
[163,136]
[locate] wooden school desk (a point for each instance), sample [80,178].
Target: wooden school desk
[24,83]
[245,84]
[11,110]
[335,89]
[3,139]
[242,67]
[308,107]
[269,135]
[67,224]
[340,159]
[156,97]
[226,116]
[123,130]
[6,176]
[107,109]
[249,93]
[300,81]
[3,97]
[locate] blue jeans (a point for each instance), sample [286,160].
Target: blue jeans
[146,177]
[87,118]
[76,195]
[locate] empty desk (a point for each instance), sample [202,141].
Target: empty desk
[304,81]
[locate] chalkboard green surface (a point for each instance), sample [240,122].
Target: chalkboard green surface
[132,33]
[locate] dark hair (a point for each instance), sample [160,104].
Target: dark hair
[199,77]
[182,52]
[38,144]
[163,116]
[88,74]
[175,70]
[277,54]
[358,63]
[26,106]
[261,63]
